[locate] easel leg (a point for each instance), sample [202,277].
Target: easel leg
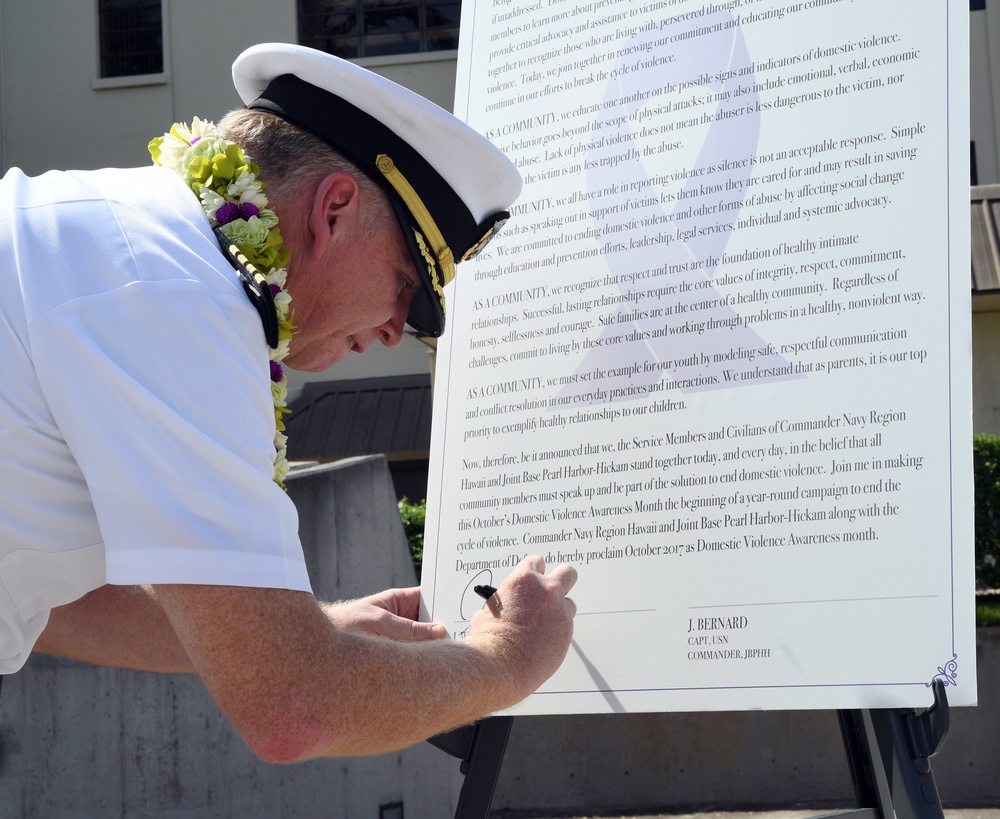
[854,734]
[889,752]
[481,748]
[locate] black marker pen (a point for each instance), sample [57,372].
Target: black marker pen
[486,592]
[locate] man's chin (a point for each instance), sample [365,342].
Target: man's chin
[315,361]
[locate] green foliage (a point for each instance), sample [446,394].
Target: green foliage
[413,515]
[986,460]
[987,615]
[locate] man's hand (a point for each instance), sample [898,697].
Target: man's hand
[392,613]
[529,622]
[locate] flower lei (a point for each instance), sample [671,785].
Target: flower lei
[231,194]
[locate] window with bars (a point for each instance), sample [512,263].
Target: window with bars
[131,37]
[374,28]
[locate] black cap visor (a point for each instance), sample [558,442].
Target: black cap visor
[426,314]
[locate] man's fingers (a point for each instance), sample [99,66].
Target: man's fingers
[534,563]
[391,614]
[565,575]
[426,631]
[570,605]
[406,630]
[405,602]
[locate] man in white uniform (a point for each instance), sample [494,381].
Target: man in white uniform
[141,524]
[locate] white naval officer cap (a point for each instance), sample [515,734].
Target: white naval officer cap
[449,186]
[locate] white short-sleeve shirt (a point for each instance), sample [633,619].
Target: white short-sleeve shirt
[136,420]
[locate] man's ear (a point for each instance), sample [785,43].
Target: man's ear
[334,208]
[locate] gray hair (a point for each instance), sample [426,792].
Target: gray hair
[289,157]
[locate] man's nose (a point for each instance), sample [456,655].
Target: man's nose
[391,332]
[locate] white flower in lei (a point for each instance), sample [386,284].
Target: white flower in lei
[228,186]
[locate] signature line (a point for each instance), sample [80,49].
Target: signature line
[801,602]
[620,611]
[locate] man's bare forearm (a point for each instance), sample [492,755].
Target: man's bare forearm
[335,691]
[296,686]
[126,627]
[122,626]
[300,679]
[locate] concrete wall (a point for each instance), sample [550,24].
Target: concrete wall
[79,741]
[985,365]
[726,761]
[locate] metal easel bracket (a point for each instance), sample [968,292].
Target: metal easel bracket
[889,751]
[928,730]
[481,748]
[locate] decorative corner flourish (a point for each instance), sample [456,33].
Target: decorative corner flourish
[947,674]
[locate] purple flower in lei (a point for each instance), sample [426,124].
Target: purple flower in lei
[277,372]
[228,212]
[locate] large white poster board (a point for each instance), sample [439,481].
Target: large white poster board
[719,359]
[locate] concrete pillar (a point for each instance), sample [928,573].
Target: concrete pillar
[81,741]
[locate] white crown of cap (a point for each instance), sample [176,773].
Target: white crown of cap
[482,176]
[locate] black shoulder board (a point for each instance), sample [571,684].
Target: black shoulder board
[255,286]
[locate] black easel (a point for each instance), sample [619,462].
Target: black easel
[481,747]
[888,752]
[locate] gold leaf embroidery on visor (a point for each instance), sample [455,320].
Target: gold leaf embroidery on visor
[412,200]
[432,268]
